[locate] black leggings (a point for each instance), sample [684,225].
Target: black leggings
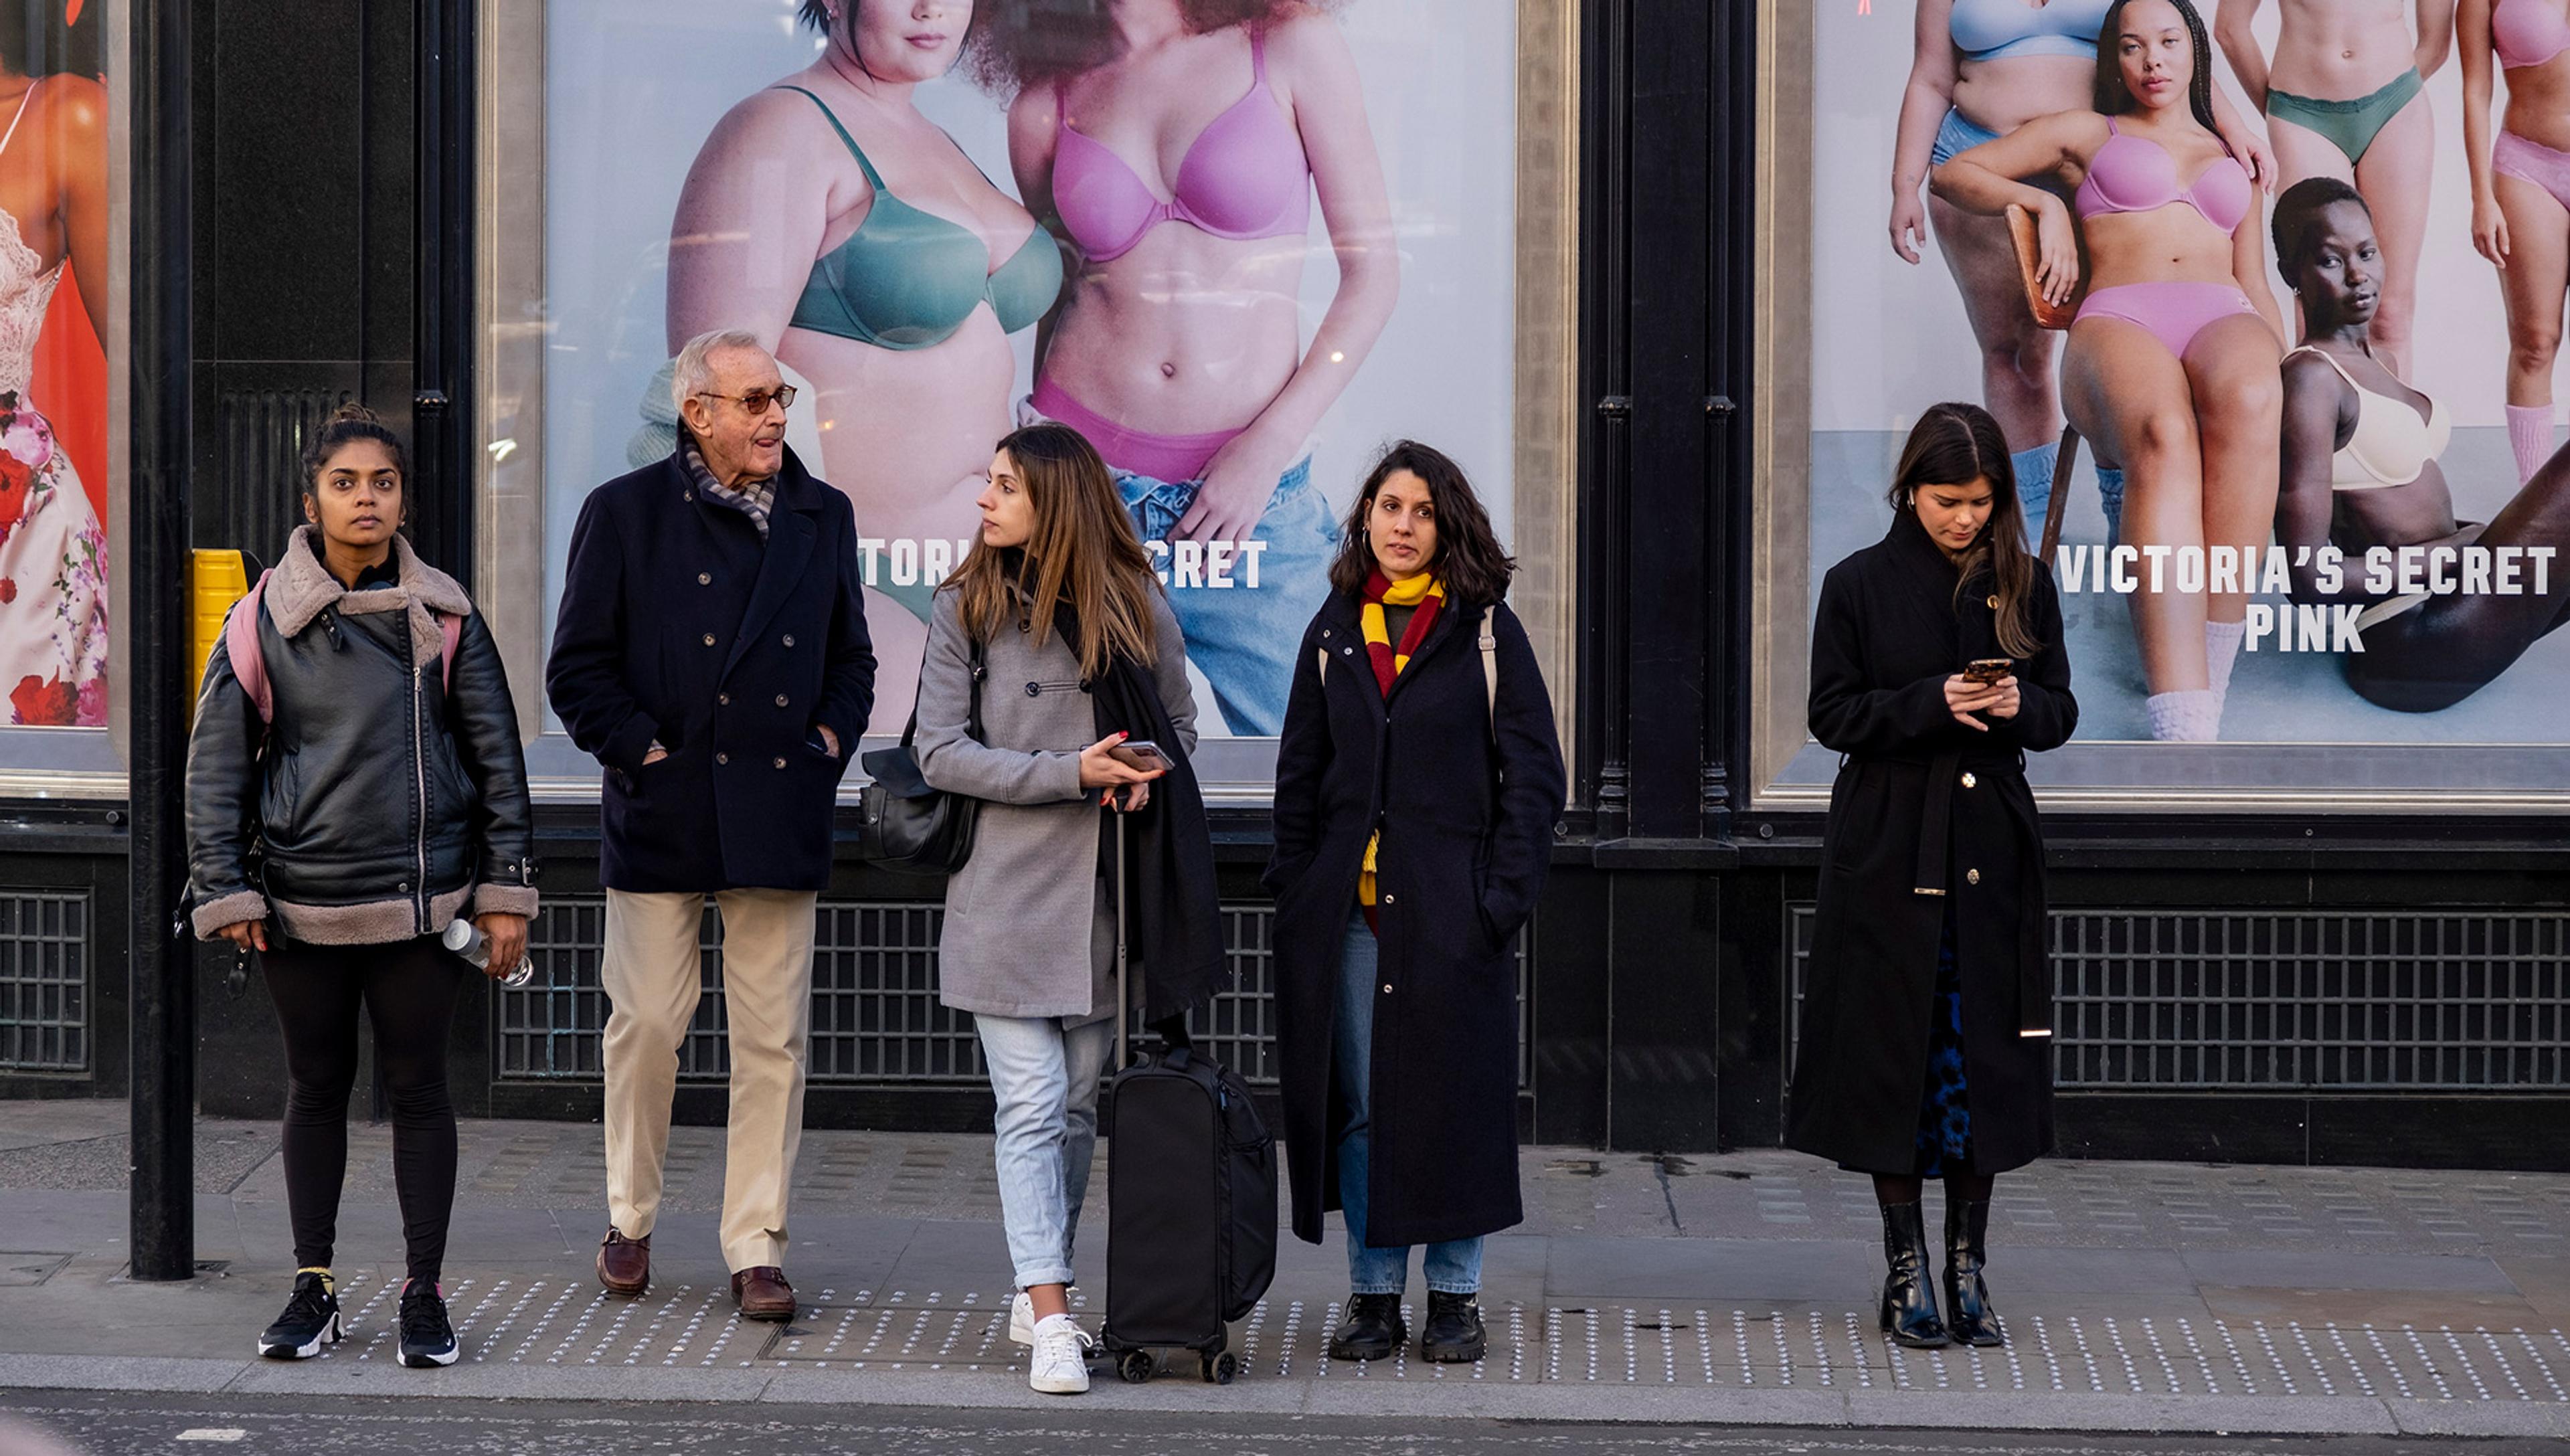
[408,988]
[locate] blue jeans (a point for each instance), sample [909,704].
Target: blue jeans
[1453,1266]
[1243,636]
[1045,1076]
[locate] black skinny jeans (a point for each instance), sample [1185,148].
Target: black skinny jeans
[408,990]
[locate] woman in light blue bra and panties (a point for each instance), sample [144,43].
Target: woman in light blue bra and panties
[859,242]
[1983,68]
[2344,99]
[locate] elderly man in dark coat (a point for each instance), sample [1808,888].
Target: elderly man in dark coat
[712,651]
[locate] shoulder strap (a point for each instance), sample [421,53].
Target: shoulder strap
[242,646]
[859,153]
[972,715]
[450,632]
[1491,667]
[2323,356]
[1257,55]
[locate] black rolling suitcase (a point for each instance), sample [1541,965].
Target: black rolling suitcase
[1191,1200]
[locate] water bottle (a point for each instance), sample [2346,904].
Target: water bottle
[465,938]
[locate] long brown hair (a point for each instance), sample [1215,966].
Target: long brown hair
[2114,99]
[1029,42]
[1469,560]
[1083,551]
[1955,445]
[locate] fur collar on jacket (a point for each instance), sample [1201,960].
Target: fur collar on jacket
[301,588]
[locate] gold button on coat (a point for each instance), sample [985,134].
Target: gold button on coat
[1971,782]
[789,639]
[780,700]
[704,578]
[1972,877]
[780,763]
[1995,604]
[709,640]
[722,758]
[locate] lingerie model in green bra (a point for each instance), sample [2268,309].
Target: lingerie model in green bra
[908,279]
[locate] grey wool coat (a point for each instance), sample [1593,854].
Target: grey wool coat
[1027,930]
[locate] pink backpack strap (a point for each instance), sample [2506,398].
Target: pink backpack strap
[450,630]
[241,644]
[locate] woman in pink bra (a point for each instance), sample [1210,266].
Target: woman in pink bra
[2521,193]
[1175,147]
[817,213]
[1980,69]
[2172,364]
[2344,98]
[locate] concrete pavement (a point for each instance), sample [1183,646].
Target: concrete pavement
[2137,1296]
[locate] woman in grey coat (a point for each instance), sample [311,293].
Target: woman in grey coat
[1057,604]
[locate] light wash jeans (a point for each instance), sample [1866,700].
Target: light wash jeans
[1244,638]
[1045,1076]
[1453,1266]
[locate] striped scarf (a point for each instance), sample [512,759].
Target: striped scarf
[1424,593]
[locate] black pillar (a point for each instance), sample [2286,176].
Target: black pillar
[441,414]
[161,1180]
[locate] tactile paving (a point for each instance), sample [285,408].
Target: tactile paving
[569,1323]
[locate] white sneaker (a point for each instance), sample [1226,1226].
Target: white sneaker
[1061,1365]
[1021,1318]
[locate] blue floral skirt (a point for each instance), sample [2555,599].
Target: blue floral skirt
[1945,1104]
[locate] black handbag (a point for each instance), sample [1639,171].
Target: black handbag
[905,826]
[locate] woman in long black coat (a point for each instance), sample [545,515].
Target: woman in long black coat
[1417,784]
[1926,1020]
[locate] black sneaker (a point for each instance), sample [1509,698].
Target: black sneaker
[310,1320]
[426,1338]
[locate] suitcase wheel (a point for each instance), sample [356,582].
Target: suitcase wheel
[1219,1369]
[1135,1366]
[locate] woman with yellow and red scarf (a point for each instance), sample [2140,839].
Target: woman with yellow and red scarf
[1417,784]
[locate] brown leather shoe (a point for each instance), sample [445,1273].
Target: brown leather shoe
[763,1293]
[624,1265]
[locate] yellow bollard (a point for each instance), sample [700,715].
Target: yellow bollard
[217,579]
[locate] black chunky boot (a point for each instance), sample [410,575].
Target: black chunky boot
[1909,1300]
[1967,1299]
[1371,1330]
[1455,1335]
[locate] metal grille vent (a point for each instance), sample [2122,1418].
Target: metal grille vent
[44,981]
[2299,1000]
[875,1013]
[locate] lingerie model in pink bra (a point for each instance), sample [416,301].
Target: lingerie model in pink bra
[2137,175]
[2530,33]
[1244,177]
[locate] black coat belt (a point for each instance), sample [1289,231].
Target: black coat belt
[1936,819]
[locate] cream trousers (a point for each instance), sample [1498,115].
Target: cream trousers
[653,978]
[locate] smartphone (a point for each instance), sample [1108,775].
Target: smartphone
[1141,753]
[1988,669]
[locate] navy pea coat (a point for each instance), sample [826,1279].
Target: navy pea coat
[1466,796]
[680,626]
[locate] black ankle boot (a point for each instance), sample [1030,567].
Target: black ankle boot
[1967,1301]
[1909,1301]
[1455,1335]
[1371,1330]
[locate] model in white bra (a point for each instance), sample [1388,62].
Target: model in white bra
[2391,444]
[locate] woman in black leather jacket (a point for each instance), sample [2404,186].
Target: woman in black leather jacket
[350,791]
